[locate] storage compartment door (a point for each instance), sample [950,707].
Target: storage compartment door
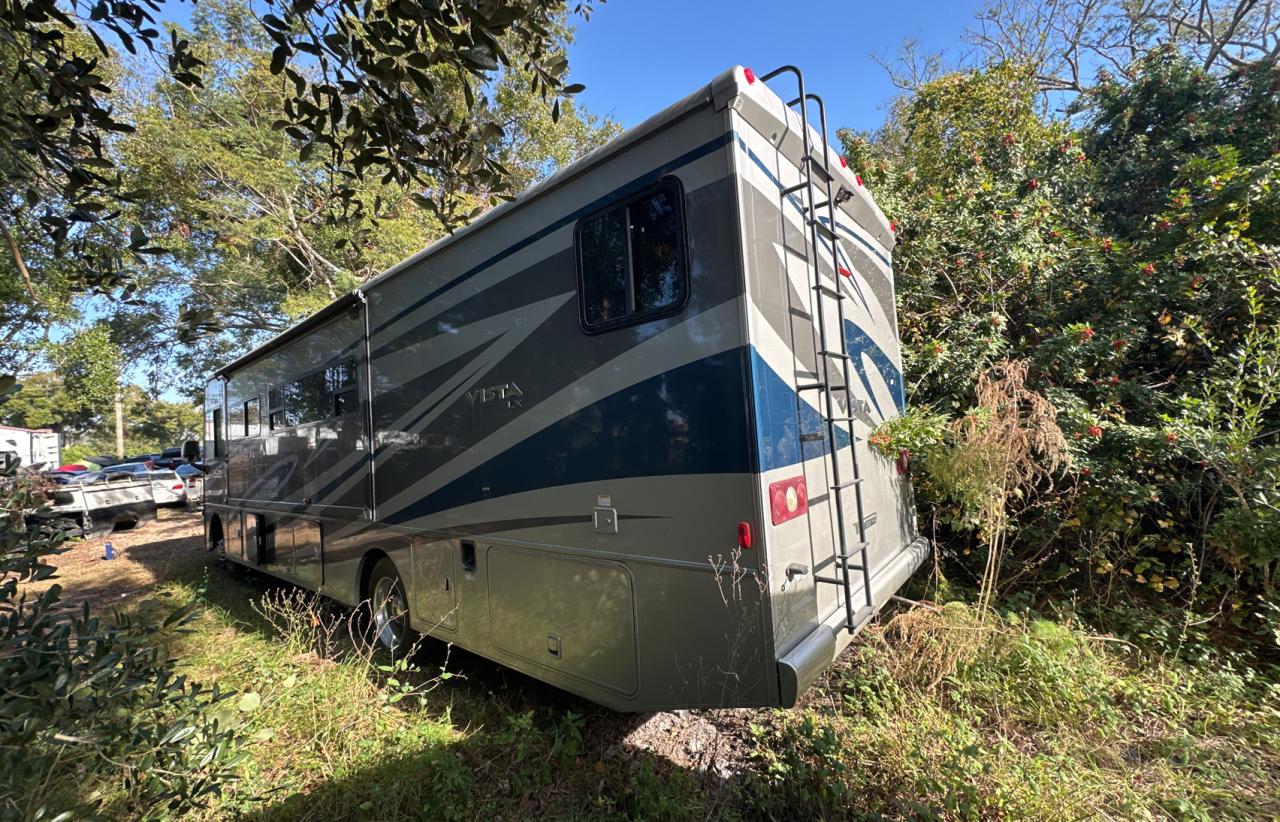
[574,616]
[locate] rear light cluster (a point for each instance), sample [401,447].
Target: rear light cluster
[750,75]
[788,499]
[178,487]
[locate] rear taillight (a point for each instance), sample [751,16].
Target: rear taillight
[178,487]
[788,499]
[744,535]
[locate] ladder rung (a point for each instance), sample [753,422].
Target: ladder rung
[829,580]
[860,616]
[812,437]
[847,484]
[822,204]
[811,386]
[829,291]
[837,354]
[793,189]
[822,229]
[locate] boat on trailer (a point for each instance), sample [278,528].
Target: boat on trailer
[612,434]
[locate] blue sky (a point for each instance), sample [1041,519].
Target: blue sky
[639,56]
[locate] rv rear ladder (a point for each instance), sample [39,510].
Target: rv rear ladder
[850,558]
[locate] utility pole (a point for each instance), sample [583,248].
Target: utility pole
[119,425]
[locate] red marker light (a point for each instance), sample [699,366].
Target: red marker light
[751,78]
[893,227]
[845,164]
[744,535]
[858,178]
[788,499]
[844,272]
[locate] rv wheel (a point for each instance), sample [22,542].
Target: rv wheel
[389,608]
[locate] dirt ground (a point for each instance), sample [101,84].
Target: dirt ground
[145,556]
[716,743]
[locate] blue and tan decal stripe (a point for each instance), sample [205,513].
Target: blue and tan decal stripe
[859,343]
[689,420]
[788,429]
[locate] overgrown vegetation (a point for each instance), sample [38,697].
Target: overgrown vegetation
[949,714]
[941,713]
[95,719]
[1130,257]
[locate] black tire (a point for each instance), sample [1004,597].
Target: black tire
[388,610]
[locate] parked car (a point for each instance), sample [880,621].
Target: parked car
[167,488]
[136,468]
[193,478]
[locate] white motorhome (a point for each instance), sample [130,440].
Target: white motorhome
[33,447]
[613,434]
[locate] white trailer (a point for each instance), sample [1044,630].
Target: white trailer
[33,447]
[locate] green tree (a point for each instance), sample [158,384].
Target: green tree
[241,207]
[356,80]
[39,402]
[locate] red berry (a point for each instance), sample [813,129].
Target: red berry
[1087,333]
[1095,431]
[1033,184]
[1171,437]
[1085,472]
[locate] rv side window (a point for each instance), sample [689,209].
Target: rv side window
[251,418]
[329,392]
[631,260]
[219,443]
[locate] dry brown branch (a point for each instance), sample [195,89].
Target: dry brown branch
[1006,447]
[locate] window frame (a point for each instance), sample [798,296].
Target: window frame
[671,184]
[354,385]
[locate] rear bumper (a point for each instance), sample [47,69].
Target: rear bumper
[801,665]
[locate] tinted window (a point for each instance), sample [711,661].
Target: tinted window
[655,253]
[319,395]
[251,418]
[631,260]
[604,267]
